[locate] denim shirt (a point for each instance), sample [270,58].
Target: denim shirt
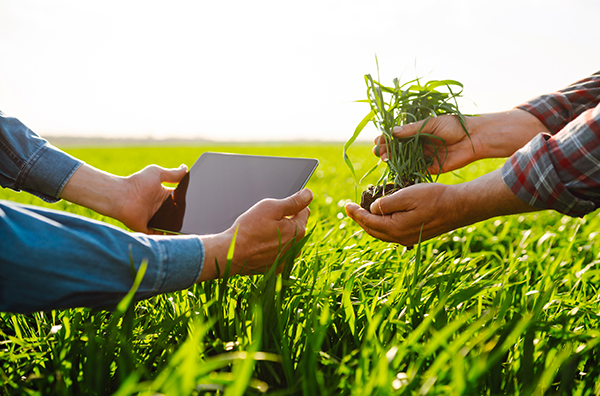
[30,163]
[51,259]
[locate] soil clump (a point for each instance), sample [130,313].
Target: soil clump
[371,194]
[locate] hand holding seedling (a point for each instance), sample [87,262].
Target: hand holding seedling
[423,134]
[493,135]
[263,232]
[439,208]
[436,209]
[456,147]
[408,159]
[132,200]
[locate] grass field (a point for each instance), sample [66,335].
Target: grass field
[507,306]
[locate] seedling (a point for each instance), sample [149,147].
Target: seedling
[400,104]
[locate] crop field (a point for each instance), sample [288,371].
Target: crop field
[507,306]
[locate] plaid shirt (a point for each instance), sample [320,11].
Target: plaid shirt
[561,170]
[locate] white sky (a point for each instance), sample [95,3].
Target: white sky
[273,69]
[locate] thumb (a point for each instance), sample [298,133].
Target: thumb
[173,175]
[407,130]
[399,201]
[291,205]
[354,211]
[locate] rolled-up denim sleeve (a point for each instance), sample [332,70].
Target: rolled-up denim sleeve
[30,163]
[73,261]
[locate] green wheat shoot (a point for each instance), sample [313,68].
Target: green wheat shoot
[400,104]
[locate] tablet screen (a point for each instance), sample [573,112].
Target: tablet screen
[220,187]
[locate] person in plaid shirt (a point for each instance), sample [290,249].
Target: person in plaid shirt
[553,142]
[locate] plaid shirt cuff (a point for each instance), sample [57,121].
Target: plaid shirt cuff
[560,172]
[557,109]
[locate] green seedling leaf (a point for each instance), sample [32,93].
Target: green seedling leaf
[370,171]
[357,132]
[127,300]
[401,104]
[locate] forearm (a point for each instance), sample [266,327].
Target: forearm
[95,189]
[483,198]
[499,135]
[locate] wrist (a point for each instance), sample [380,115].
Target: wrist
[486,197]
[499,135]
[215,254]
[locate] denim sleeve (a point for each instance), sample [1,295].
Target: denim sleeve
[30,163]
[72,261]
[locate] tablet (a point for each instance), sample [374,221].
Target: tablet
[219,187]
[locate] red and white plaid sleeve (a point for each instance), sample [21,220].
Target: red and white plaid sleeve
[561,172]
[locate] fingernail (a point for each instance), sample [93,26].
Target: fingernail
[182,166]
[306,195]
[397,129]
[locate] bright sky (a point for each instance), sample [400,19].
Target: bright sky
[272,69]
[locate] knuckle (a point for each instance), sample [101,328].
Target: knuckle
[301,232]
[266,203]
[296,199]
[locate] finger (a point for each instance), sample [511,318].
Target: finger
[399,201]
[173,175]
[407,130]
[352,210]
[373,225]
[299,221]
[380,149]
[379,140]
[381,152]
[367,220]
[294,204]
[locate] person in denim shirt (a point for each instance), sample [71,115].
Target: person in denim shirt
[51,259]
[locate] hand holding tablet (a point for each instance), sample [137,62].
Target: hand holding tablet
[220,187]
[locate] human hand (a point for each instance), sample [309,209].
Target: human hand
[144,193]
[430,209]
[493,135]
[132,200]
[455,150]
[262,231]
[399,217]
